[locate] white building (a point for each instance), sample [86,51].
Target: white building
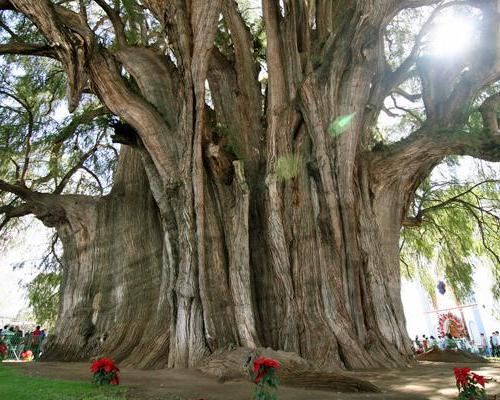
[479,314]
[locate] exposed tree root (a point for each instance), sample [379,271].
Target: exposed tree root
[295,371]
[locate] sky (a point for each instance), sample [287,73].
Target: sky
[28,248]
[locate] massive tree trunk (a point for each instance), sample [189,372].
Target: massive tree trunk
[111,297]
[229,252]
[123,292]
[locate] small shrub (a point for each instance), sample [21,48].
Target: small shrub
[264,371]
[105,372]
[470,385]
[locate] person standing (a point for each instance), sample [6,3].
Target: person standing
[35,342]
[425,343]
[418,345]
[441,342]
[495,345]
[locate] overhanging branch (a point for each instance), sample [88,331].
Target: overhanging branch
[424,147]
[17,189]
[26,49]
[427,146]
[6,5]
[116,21]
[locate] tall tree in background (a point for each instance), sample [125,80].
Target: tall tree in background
[277,209]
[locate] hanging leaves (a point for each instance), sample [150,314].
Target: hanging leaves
[460,224]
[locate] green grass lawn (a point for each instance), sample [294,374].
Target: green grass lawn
[16,386]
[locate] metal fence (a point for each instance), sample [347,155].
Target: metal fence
[16,344]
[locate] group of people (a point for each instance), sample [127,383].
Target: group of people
[489,348]
[16,341]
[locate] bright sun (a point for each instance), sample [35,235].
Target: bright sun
[452,35]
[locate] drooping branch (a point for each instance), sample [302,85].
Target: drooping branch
[65,180]
[418,218]
[84,118]
[116,21]
[427,146]
[482,231]
[17,189]
[422,150]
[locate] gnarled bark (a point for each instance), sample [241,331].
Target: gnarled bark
[201,245]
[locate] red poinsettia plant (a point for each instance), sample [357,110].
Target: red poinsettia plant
[27,355]
[4,351]
[470,385]
[105,372]
[264,376]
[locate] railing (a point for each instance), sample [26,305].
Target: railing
[15,345]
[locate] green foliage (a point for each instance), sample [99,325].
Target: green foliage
[340,124]
[44,149]
[400,34]
[289,166]
[135,18]
[460,224]
[267,388]
[428,282]
[14,385]
[39,142]
[43,296]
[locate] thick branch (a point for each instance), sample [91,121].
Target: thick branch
[116,21]
[6,5]
[17,189]
[277,86]
[489,112]
[72,38]
[16,211]
[425,148]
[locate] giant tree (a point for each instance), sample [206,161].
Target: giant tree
[278,208]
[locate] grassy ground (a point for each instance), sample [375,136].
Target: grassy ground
[15,385]
[44,381]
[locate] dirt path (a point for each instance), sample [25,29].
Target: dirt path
[425,381]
